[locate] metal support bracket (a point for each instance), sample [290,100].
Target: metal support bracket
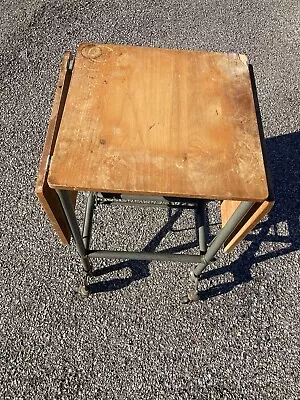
[206,255]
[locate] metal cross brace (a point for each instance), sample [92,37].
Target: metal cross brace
[206,255]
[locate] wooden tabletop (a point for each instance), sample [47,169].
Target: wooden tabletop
[157,121]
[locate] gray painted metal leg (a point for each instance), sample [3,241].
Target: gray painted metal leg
[223,234]
[216,244]
[88,218]
[64,197]
[200,215]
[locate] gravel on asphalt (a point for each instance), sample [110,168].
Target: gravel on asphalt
[133,339]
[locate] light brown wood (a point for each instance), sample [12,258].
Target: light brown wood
[158,121]
[47,196]
[254,216]
[256,213]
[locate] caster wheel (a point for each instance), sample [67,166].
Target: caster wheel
[83,291]
[193,295]
[185,300]
[190,297]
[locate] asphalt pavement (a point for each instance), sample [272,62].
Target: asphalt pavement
[133,339]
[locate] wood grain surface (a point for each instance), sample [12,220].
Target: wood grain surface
[254,216]
[47,196]
[157,121]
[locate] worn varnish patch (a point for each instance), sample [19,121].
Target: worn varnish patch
[157,121]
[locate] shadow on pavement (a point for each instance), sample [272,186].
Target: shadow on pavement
[284,161]
[139,269]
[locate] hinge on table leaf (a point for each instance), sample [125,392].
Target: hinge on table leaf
[48,162]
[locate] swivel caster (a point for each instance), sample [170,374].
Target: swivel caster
[83,291]
[185,300]
[190,297]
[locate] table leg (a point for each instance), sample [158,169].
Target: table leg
[216,244]
[88,218]
[64,197]
[200,216]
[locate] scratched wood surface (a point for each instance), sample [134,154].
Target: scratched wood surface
[47,196]
[256,213]
[158,121]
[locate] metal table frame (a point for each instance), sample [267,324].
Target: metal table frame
[206,252]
